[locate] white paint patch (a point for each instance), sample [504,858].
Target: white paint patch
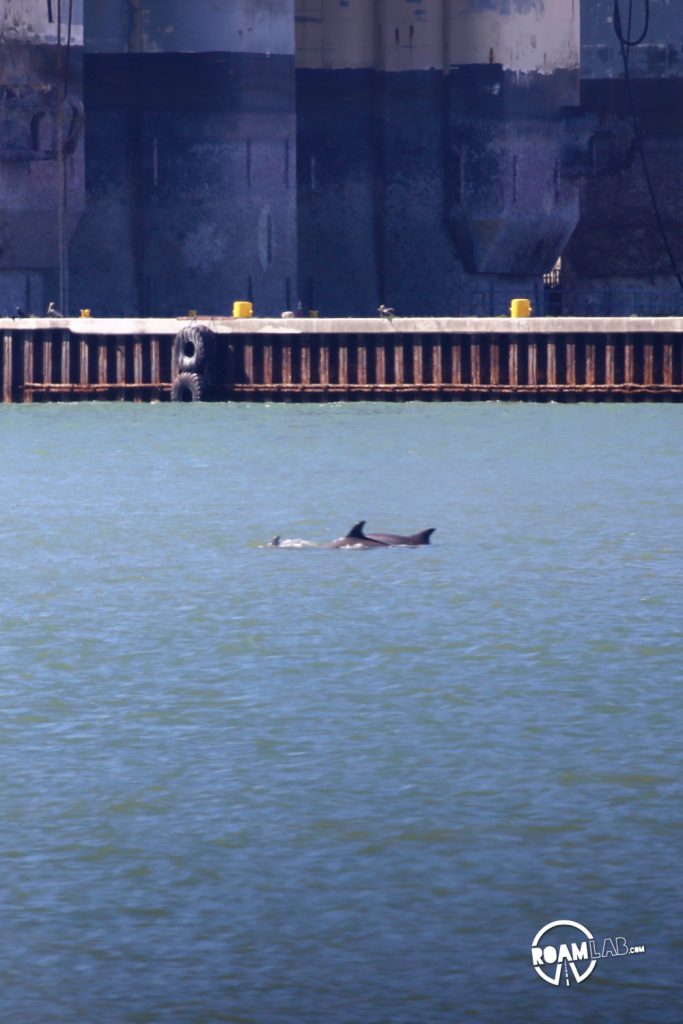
[331,34]
[542,40]
[28,21]
[391,35]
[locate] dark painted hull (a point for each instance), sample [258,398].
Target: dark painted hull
[218,176]
[417,192]
[191,184]
[618,235]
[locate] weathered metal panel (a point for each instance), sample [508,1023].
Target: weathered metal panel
[629,362]
[246,26]
[192,156]
[418,361]
[248,361]
[120,363]
[618,243]
[437,361]
[286,363]
[102,360]
[137,362]
[648,363]
[380,364]
[590,364]
[42,191]
[668,362]
[551,363]
[398,362]
[456,361]
[324,366]
[362,362]
[494,361]
[65,359]
[34,22]
[532,363]
[610,360]
[513,72]
[7,368]
[330,35]
[29,366]
[570,363]
[658,55]
[47,358]
[306,362]
[268,362]
[475,362]
[513,363]
[155,361]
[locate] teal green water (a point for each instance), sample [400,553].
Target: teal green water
[282,786]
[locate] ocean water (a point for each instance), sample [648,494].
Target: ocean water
[302,785]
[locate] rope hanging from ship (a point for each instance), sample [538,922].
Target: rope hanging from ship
[627,41]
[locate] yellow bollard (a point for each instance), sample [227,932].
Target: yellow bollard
[520,307]
[240,310]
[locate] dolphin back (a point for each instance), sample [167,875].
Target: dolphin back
[412,540]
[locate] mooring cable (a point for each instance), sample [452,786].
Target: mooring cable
[618,27]
[61,170]
[68,47]
[626,42]
[62,91]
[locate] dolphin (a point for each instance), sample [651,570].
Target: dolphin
[289,542]
[355,538]
[413,540]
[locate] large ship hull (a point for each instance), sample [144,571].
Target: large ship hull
[438,157]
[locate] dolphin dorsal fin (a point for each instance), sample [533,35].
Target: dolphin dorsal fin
[422,537]
[357,530]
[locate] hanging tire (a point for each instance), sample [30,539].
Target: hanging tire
[188,387]
[193,348]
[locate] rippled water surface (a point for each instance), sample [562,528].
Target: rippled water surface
[304,785]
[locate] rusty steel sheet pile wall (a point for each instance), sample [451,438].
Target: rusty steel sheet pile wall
[563,360]
[54,364]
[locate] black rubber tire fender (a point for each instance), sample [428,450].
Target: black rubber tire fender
[188,387]
[193,347]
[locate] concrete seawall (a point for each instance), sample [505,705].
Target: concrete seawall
[431,359]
